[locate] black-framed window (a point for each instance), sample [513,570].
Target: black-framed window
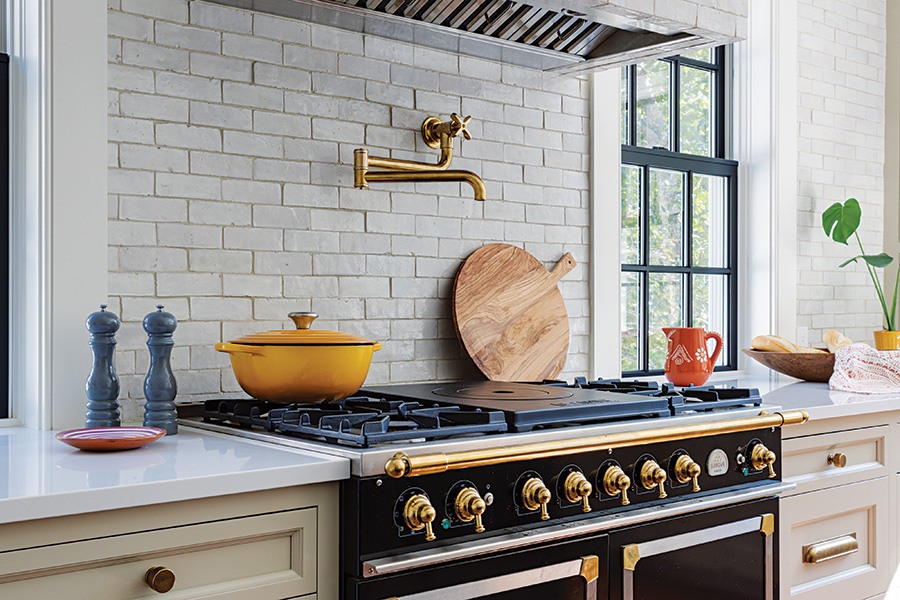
[4,223]
[678,207]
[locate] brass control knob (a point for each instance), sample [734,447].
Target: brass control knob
[536,495]
[687,470]
[652,475]
[578,489]
[470,506]
[761,457]
[615,481]
[160,579]
[418,514]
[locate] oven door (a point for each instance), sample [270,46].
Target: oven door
[726,553]
[565,571]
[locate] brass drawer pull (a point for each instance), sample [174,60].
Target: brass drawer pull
[160,579]
[828,549]
[838,460]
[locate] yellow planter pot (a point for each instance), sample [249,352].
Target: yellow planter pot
[887,340]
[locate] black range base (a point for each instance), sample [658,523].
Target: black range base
[652,475]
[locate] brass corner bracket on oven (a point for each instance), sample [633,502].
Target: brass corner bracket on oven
[403,465]
[436,133]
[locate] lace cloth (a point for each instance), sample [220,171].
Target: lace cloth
[862,369]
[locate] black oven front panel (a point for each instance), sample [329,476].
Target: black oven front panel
[384,516]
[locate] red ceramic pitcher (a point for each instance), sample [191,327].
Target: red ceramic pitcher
[688,361]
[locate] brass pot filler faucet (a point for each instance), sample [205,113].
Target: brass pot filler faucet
[436,133]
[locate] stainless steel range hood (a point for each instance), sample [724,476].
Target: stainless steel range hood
[562,35]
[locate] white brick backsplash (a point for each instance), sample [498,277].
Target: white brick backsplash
[231,149]
[221,67]
[189,38]
[251,192]
[221,261]
[221,18]
[186,136]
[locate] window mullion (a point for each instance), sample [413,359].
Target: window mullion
[688,249]
[675,106]
[645,276]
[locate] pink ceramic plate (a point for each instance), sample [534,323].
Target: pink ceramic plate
[107,439]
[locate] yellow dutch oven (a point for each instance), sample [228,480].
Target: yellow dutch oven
[300,365]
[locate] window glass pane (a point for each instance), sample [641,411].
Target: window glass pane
[696,124]
[708,221]
[704,54]
[631,214]
[666,216]
[652,104]
[666,299]
[624,116]
[631,321]
[709,306]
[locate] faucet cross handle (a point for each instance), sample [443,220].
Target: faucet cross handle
[460,125]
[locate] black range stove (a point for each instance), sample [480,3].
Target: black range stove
[429,411]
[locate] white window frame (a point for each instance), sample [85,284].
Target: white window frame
[765,145]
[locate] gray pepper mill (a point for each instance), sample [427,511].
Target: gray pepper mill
[160,387]
[102,386]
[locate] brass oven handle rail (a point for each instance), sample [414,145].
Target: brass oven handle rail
[404,465]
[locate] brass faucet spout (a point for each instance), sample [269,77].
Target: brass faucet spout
[397,164]
[455,175]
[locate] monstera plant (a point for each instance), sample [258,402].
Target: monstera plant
[840,222]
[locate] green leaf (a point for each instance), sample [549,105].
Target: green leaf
[878,260]
[840,221]
[849,260]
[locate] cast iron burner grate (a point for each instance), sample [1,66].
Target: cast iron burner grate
[357,421]
[701,398]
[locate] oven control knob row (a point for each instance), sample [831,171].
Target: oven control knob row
[536,495]
[653,476]
[469,506]
[420,514]
[578,489]
[687,470]
[615,481]
[761,457]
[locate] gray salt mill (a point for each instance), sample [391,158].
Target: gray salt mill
[102,385]
[160,387]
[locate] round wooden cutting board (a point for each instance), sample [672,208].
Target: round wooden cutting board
[510,315]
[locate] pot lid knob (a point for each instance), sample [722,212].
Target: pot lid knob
[102,321]
[303,320]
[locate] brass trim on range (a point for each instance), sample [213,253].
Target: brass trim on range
[404,465]
[829,549]
[767,527]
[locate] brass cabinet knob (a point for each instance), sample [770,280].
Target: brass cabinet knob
[838,460]
[160,579]
[420,514]
[470,506]
[761,457]
[578,489]
[536,495]
[687,470]
[652,475]
[615,481]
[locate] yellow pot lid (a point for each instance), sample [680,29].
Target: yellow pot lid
[303,335]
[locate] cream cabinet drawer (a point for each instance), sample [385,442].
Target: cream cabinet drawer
[835,543]
[263,556]
[813,462]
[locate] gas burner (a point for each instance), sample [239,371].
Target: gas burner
[359,421]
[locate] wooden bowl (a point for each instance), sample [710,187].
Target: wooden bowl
[809,366]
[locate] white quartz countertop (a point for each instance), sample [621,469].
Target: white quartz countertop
[42,477]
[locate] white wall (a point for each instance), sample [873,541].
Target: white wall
[841,103]
[231,199]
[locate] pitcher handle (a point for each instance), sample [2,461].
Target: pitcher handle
[715,353]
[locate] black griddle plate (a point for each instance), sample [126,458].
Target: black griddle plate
[526,405]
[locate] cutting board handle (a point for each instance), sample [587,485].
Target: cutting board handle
[563,266]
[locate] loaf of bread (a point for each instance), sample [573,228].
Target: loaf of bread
[773,343]
[835,339]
